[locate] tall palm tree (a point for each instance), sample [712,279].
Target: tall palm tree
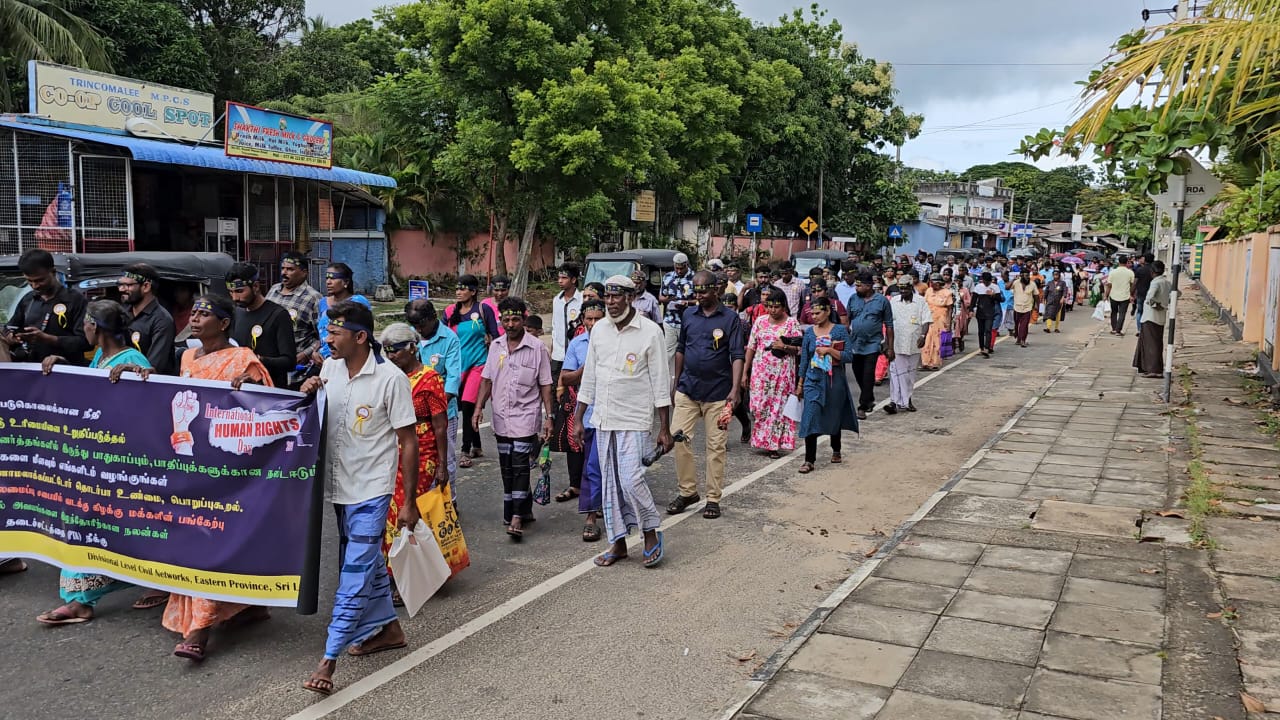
[315,24]
[46,30]
[1225,61]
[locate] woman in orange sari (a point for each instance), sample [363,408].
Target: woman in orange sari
[218,360]
[400,343]
[940,300]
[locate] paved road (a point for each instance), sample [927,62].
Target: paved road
[534,630]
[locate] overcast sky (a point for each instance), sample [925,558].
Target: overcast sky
[1023,57]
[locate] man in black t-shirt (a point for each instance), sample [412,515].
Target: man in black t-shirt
[261,325]
[49,320]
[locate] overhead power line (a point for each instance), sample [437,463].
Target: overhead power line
[999,117]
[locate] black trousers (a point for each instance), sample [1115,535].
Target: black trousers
[864,373]
[513,461]
[470,437]
[576,460]
[811,446]
[984,332]
[742,411]
[1118,310]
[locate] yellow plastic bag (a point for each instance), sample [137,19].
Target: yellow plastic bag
[436,508]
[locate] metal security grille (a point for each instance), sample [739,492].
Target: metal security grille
[106,218]
[37,205]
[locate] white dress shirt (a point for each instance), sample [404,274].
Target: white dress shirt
[625,376]
[909,319]
[364,413]
[563,312]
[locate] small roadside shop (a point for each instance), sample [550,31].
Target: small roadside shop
[110,164]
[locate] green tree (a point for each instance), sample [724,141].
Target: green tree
[49,30]
[328,60]
[1112,209]
[151,40]
[1051,195]
[243,39]
[841,114]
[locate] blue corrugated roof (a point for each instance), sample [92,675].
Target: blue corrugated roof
[172,153]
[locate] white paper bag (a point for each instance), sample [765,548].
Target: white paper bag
[418,566]
[793,408]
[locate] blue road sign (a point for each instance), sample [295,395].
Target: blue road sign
[755,222]
[419,289]
[895,232]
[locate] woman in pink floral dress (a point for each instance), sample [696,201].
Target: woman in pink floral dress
[771,377]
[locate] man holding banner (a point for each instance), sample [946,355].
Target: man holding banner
[370,411]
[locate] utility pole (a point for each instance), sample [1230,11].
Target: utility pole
[821,182]
[1175,250]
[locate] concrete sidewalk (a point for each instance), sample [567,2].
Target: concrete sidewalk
[1023,590]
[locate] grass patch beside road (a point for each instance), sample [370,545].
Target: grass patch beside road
[1202,497]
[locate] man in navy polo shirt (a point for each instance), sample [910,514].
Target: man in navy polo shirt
[869,313]
[709,356]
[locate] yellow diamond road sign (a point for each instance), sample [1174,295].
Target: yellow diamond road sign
[808,226]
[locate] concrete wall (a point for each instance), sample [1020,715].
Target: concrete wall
[367,258]
[921,236]
[777,248]
[419,254]
[1243,277]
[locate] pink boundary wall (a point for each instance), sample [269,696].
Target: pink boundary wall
[417,254]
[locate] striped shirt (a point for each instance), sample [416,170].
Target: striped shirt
[303,306]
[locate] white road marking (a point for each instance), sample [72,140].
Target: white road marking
[377,679]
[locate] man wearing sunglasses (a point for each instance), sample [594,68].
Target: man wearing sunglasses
[151,332]
[709,359]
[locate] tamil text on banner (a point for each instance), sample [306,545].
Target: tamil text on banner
[265,135]
[172,483]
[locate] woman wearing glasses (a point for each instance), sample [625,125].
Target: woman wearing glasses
[771,375]
[400,343]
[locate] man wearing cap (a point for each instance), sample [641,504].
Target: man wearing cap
[870,330]
[441,351]
[790,286]
[911,320]
[565,308]
[625,380]
[709,358]
[151,331]
[260,324]
[301,301]
[677,295]
[645,303]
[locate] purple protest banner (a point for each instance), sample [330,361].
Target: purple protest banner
[173,483]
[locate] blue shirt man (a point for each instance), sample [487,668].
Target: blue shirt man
[710,345]
[870,319]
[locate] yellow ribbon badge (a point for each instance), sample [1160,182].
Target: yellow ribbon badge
[631,363]
[60,311]
[363,413]
[715,338]
[254,334]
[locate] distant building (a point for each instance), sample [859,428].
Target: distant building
[960,215]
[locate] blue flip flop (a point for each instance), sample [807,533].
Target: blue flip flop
[653,557]
[608,559]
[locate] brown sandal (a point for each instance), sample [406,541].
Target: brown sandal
[835,458]
[806,468]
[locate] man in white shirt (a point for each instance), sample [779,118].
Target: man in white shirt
[565,308]
[624,379]
[848,285]
[735,284]
[1120,285]
[370,434]
[911,320]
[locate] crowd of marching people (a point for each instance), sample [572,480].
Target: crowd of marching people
[629,373]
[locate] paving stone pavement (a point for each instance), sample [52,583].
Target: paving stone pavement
[1024,592]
